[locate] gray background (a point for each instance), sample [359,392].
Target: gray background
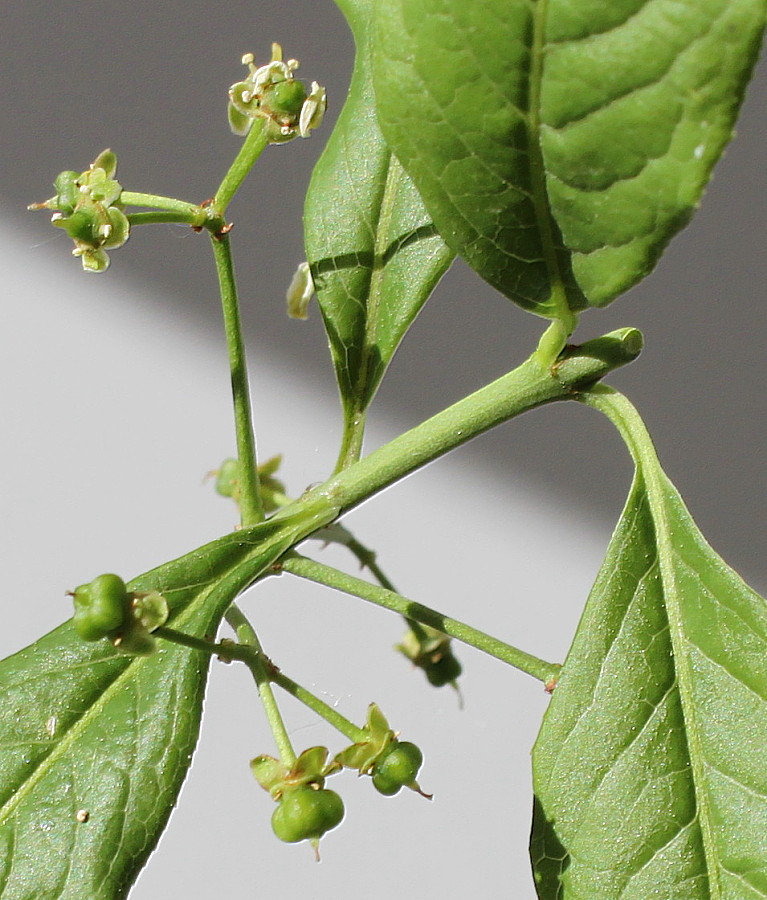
[115,400]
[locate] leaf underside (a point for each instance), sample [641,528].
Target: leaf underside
[649,770]
[559,145]
[94,746]
[374,253]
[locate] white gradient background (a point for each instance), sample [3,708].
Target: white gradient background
[115,402]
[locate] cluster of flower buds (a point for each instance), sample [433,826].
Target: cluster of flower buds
[87,206]
[391,763]
[271,93]
[104,608]
[431,650]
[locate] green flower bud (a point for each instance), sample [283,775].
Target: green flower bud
[305,813]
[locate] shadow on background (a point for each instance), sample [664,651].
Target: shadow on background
[149,79]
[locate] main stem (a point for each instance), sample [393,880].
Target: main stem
[525,388]
[251,509]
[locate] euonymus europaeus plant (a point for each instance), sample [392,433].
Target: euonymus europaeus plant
[557,146]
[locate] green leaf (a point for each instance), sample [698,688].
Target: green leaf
[373,251]
[86,731]
[649,770]
[560,145]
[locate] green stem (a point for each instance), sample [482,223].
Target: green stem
[525,388]
[248,654]
[339,722]
[169,210]
[132,198]
[252,147]
[161,217]
[322,574]
[251,510]
[351,439]
[338,533]
[247,635]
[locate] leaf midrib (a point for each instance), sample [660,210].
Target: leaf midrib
[540,195]
[655,490]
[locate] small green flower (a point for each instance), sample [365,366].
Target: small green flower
[271,92]
[87,206]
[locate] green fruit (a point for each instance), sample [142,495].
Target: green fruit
[304,813]
[101,607]
[445,671]
[398,768]
[283,100]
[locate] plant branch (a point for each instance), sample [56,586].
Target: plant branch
[251,656]
[251,148]
[339,534]
[246,635]
[251,509]
[133,198]
[332,716]
[322,574]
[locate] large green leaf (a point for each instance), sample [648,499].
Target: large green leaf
[649,770]
[373,250]
[84,729]
[559,144]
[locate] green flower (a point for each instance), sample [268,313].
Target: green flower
[270,92]
[87,206]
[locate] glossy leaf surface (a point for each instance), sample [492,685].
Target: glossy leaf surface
[559,145]
[649,772]
[94,746]
[373,251]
